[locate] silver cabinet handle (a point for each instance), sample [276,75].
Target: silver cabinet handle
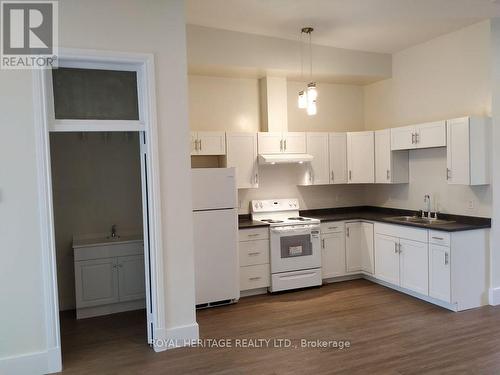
[333,175]
[350,175]
[412,138]
[281,145]
[196,145]
[253,235]
[438,238]
[446,258]
[254,278]
[347,234]
[395,248]
[417,137]
[285,144]
[448,173]
[200,145]
[388,175]
[332,227]
[323,243]
[399,248]
[254,253]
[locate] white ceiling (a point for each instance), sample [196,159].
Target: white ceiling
[385,26]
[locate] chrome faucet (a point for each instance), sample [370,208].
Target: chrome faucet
[427,201]
[113,231]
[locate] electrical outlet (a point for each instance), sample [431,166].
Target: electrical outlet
[471,204]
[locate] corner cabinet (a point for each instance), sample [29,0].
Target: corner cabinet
[391,167]
[359,247]
[360,157]
[333,250]
[208,143]
[469,151]
[242,154]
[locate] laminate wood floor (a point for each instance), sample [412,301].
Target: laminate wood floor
[389,332]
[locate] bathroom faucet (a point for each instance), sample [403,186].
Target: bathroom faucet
[113,231]
[427,201]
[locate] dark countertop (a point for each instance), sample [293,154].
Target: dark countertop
[381,214]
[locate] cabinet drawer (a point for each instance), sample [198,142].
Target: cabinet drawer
[439,238]
[401,231]
[332,227]
[254,234]
[253,277]
[254,252]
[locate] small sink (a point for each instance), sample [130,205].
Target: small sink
[419,220]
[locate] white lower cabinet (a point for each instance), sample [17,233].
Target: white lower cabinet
[109,278]
[359,247]
[414,266]
[255,270]
[387,258]
[439,272]
[333,262]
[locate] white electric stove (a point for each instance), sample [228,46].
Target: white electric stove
[294,244]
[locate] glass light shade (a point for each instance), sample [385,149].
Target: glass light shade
[302,100]
[312,93]
[312,109]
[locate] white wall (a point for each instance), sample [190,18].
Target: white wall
[443,78]
[96,183]
[123,25]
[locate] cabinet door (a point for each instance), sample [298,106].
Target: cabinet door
[403,138]
[431,134]
[387,259]
[194,143]
[318,172]
[270,143]
[457,157]
[353,246]
[294,143]
[96,282]
[131,282]
[414,266]
[333,261]
[338,158]
[361,157]
[439,273]
[211,143]
[242,154]
[366,248]
[383,168]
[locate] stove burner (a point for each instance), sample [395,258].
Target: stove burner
[271,221]
[299,218]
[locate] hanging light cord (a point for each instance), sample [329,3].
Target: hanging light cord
[310,56]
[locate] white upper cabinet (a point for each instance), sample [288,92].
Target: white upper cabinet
[390,166]
[360,157]
[338,157]
[278,143]
[208,143]
[468,151]
[318,170]
[242,154]
[431,134]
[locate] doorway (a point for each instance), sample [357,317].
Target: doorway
[139,123]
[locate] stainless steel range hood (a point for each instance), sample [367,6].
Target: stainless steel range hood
[266,159]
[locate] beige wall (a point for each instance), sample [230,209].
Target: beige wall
[443,78]
[96,182]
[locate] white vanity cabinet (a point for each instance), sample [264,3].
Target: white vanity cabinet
[255,269]
[208,143]
[468,152]
[333,250]
[109,277]
[430,134]
[359,247]
[360,157]
[391,167]
[242,155]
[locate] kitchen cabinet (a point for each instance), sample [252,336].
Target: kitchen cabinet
[253,248]
[318,170]
[338,158]
[333,250]
[281,142]
[242,155]
[414,266]
[391,167]
[360,157]
[468,152]
[109,277]
[359,247]
[439,272]
[208,143]
[431,134]
[387,258]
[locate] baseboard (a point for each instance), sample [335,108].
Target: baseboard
[46,362]
[494,296]
[90,312]
[175,337]
[338,279]
[253,292]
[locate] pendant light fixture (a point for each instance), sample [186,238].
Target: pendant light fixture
[307,98]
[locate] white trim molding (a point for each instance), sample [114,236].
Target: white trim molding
[33,363]
[494,296]
[176,337]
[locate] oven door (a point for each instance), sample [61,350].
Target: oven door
[295,248]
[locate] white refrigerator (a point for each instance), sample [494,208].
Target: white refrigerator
[215,219]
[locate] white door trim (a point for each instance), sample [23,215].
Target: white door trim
[44,122]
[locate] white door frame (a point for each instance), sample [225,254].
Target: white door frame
[44,122]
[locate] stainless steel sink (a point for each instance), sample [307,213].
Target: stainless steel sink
[419,220]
